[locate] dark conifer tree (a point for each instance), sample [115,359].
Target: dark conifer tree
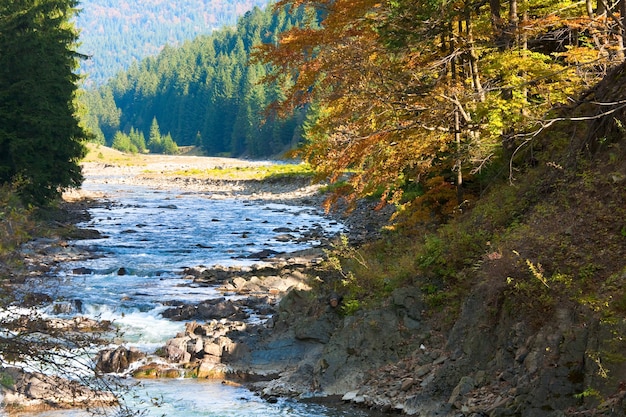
[40,135]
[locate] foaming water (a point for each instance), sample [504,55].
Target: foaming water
[148,238]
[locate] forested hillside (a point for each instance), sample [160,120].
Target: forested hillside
[114,33]
[203,93]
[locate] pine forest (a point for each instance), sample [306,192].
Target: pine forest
[202,93]
[114,33]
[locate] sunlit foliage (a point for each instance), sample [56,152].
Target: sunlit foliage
[426,94]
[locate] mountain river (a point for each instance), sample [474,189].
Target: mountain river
[149,237]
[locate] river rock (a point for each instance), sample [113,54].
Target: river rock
[34,391]
[264,254]
[117,360]
[78,324]
[86,234]
[206,343]
[209,370]
[206,310]
[35,299]
[284,237]
[210,276]
[176,350]
[155,370]
[67,307]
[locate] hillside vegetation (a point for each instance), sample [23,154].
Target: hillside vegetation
[114,33]
[514,307]
[203,93]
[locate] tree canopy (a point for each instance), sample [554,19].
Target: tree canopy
[422,95]
[40,136]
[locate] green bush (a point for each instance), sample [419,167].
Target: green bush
[15,221]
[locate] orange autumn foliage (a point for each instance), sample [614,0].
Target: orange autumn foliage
[411,91]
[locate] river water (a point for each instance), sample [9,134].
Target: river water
[149,237]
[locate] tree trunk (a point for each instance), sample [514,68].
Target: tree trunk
[589,6]
[459,160]
[523,45]
[622,29]
[473,58]
[513,24]
[452,48]
[497,26]
[621,6]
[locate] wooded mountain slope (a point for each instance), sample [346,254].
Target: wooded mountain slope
[114,33]
[204,92]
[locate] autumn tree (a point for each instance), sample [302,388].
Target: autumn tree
[412,95]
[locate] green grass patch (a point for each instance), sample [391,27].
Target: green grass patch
[105,155]
[260,172]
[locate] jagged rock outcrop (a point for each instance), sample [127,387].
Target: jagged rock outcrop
[117,360]
[36,391]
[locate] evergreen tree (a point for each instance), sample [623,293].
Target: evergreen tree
[155,142]
[121,142]
[40,136]
[138,140]
[169,146]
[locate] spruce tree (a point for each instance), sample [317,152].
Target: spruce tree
[40,135]
[155,140]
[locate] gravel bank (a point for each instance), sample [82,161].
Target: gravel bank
[189,175]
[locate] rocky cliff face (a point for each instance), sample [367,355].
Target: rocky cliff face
[491,363]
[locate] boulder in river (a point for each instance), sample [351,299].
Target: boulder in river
[117,360]
[36,391]
[207,310]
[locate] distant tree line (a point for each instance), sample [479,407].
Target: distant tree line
[114,33]
[204,93]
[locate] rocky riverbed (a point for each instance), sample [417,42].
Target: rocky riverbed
[220,328]
[276,332]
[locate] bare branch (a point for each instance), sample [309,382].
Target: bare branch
[547,123]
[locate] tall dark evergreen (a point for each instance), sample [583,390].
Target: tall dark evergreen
[40,135]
